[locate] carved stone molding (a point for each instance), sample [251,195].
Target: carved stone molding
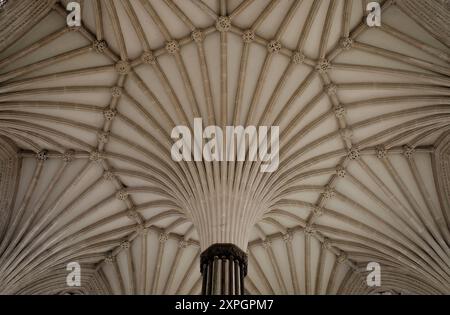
[17,17]
[9,171]
[431,15]
[441,169]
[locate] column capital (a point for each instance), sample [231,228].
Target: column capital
[225,251]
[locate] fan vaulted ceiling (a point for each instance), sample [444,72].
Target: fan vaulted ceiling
[86,115]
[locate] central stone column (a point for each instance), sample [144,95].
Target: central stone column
[223,268]
[224,218]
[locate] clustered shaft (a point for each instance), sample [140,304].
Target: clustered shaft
[223,268]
